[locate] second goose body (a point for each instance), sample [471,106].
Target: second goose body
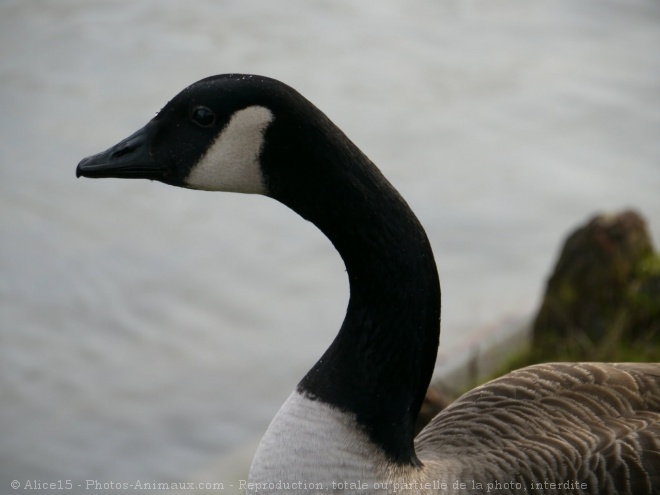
[348,427]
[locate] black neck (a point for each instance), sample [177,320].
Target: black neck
[380,364]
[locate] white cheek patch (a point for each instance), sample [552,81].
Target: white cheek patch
[232,161]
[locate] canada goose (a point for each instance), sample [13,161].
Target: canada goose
[348,426]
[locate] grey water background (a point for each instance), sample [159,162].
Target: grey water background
[150,333]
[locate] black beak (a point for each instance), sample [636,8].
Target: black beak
[128,159]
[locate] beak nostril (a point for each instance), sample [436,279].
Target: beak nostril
[125,150]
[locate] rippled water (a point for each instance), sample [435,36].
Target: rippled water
[151,333]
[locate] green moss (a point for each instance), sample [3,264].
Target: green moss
[612,349]
[649,266]
[567,294]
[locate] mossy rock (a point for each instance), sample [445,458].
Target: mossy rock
[602,302]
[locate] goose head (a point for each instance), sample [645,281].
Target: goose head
[209,136]
[235,133]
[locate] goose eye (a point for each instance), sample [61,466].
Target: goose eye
[202,116]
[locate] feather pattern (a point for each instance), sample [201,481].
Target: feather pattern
[594,425]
